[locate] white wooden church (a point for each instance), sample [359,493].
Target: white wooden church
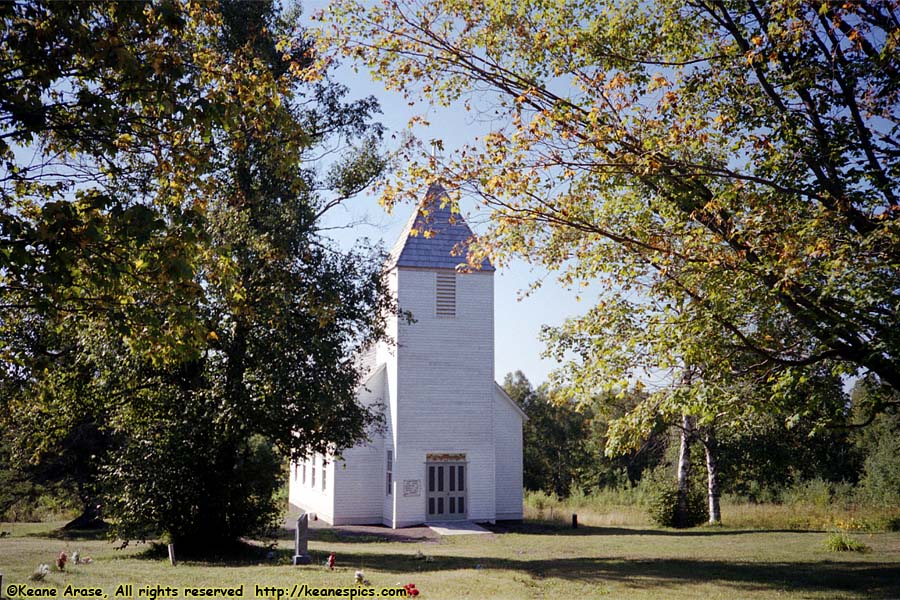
[452,445]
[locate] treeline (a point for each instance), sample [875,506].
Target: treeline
[565,451]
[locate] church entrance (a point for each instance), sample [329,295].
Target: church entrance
[446,487]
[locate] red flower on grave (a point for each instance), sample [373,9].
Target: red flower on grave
[411,589]
[61,561]
[331,561]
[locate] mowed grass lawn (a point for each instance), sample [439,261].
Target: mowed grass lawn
[532,561]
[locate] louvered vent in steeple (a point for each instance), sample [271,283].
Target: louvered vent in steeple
[445,294]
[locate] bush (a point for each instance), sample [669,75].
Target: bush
[662,492]
[663,509]
[813,492]
[541,501]
[841,542]
[880,483]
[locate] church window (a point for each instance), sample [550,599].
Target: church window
[389,472]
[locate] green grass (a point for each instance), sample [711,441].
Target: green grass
[537,560]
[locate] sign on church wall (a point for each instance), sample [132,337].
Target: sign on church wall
[411,487]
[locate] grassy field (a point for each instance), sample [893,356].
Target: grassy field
[629,508]
[533,561]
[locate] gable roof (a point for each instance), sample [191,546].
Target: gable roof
[499,391]
[435,237]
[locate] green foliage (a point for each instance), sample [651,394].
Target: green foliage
[564,444]
[880,482]
[179,303]
[200,487]
[879,443]
[663,509]
[664,501]
[555,438]
[101,167]
[722,212]
[762,457]
[811,492]
[541,501]
[841,542]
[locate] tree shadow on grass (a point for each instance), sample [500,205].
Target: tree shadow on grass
[868,580]
[352,535]
[73,534]
[554,528]
[254,552]
[238,554]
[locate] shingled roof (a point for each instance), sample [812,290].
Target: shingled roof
[435,237]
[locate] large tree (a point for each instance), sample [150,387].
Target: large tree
[723,174]
[224,334]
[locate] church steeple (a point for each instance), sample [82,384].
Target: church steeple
[435,237]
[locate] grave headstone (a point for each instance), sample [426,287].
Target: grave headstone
[301,539]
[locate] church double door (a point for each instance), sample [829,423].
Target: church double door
[446,490]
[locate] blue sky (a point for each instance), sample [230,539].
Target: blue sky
[517,322]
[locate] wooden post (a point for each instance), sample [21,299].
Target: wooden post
[574,521]
[172,554]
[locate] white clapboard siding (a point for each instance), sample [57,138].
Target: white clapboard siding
[445,387]
[311,498]
[358,475]
[508,419]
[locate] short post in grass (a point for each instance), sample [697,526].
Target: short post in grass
[574,521]
[301,554]
[172,554]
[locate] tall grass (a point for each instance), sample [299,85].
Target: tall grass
[805,506]
[602,509]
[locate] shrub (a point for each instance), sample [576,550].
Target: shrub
[812,492]
[662,493]
[841,542]
[880,483]
[541,500]
[663,508]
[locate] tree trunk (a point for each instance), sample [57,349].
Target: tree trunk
[90,517]
[684,469]
[712,470]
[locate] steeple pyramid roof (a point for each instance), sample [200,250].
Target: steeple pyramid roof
[435,237]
